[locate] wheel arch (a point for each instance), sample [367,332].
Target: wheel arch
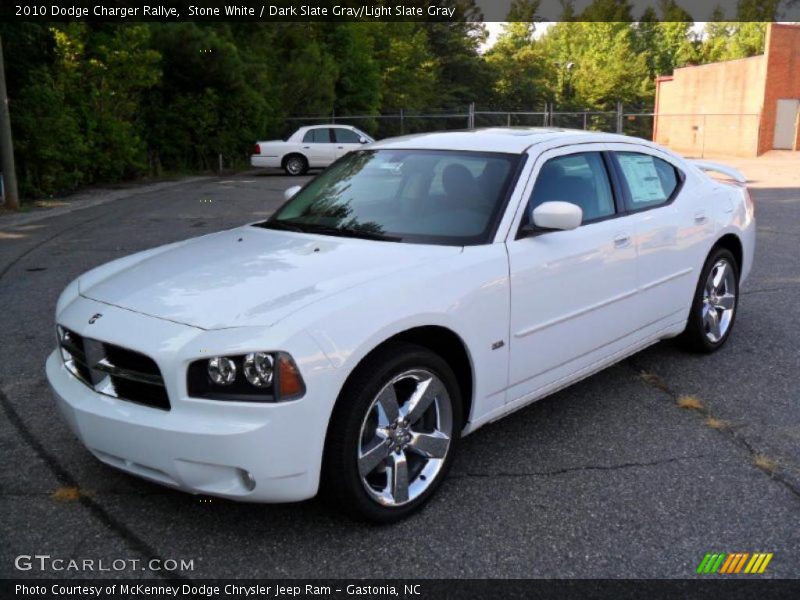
[732,243]
[444,342]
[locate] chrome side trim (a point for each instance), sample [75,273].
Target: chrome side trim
[533,329]
[526,332]
[663,280]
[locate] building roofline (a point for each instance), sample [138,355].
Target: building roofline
[719,62]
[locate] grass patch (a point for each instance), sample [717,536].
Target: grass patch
[67,494]
[690,402]
[718,424]
[765,463]
[655,380]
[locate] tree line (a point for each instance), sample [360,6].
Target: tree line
[103,102]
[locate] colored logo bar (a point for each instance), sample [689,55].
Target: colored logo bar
[737,562]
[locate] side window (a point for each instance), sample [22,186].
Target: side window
[346,136]
[650,180]
[320,135]
[578,178]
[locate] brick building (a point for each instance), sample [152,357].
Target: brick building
[739,107]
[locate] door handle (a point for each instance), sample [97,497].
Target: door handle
[623,240]
[306,147]
[340,147]
[700,218]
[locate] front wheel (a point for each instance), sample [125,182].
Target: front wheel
[393,433]
[715,302]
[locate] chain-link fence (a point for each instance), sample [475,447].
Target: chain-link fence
[693,134]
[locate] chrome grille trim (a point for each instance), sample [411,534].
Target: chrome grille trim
[106,367]
[90,362]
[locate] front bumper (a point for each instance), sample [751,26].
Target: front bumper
[245,451]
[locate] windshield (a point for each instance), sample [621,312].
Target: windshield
[418,196]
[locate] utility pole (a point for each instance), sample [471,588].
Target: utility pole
[6,145]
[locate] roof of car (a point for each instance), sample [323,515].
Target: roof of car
[514,140]
[343,125]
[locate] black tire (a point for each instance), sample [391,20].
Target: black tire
[295,165]
[695,337]
[341,480]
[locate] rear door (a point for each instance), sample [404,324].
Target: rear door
[318,147]
[671,229]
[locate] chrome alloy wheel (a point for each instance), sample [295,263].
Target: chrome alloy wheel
[719,300]
[295,165]
[405,437]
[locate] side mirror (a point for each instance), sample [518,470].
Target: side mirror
[557,216]
[289,192]
[363,140]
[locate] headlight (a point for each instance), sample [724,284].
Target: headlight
[258,368]
[252,377]
[222,370]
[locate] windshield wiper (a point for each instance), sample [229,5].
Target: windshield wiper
[281,225]
[348,232]
[327,230]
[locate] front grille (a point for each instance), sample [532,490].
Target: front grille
[113,370]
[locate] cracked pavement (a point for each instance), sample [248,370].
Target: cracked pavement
[607,478]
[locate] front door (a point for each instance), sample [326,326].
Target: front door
[573,293]
[346,140]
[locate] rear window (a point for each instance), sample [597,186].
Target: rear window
[316,136]
[651,181]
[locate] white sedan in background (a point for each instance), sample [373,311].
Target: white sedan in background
[411,293]
[309,147]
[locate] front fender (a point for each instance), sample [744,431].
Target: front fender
[467,294]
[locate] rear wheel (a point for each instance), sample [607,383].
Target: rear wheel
[715,302]
[295,165]
[393,433]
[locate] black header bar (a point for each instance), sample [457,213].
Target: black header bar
[267,11]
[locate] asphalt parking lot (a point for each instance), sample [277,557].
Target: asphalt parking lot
[609,478]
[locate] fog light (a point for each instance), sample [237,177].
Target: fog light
[248,480]
[222,370]
[258,368]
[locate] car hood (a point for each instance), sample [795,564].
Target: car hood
[249,276]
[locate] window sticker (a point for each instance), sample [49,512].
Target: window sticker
[642,176]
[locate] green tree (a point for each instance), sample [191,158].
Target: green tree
[521,71]
[595,64]
[357,87]
[463,76]
[668,42]
[409,72]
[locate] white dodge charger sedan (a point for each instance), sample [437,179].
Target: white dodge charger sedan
[417,289]
[308,147]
